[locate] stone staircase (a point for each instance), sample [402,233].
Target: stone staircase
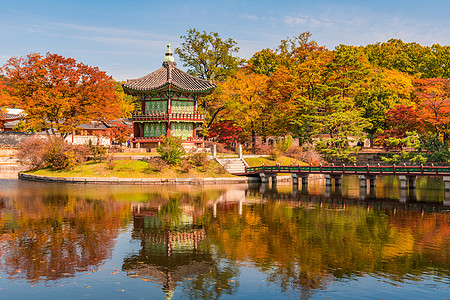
[233,165]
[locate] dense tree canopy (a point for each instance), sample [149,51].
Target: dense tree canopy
[208,56]
[58,93]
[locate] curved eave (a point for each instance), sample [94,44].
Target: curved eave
[167,86]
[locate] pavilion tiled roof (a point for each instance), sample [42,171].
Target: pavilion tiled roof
[169,75]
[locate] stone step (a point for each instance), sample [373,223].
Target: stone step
[232,165]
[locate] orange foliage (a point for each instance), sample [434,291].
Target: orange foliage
[434,97]
[59,93]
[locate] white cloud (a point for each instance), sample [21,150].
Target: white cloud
[249,17]
[306,20]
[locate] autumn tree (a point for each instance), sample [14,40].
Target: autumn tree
[119,132]
[385,89]
[434,97]
[58,93]
[244,102]
[226,133]
[402,119]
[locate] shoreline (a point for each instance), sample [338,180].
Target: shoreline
[144,181]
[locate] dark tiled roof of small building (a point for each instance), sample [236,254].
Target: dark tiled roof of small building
[9,117]
[169,74]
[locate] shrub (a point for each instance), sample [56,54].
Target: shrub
[283,144]
[274,154]
[60,155]
[261,149]
[310,155]
[198,158]
[155,164]
[98,152]
[171,150]
[31,152]
[110,164]
[185,166]
[295,152]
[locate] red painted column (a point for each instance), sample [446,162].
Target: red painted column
[136,130]
[141,125]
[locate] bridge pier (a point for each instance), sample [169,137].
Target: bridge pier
[446,182]
[266,177]
[295,178]
[363,180]
[337,179]
[409,180]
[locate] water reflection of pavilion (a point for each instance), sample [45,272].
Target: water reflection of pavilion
[171,245]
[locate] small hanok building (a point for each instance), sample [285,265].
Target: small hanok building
[169,100]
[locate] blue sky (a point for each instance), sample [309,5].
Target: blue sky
[127,38]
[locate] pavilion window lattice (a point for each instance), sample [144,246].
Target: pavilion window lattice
[154,129]
[155,106]
[183,106]
[183,130]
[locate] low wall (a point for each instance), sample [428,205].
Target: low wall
[143,181]
[12,139]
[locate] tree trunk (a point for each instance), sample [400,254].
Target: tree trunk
[214,116]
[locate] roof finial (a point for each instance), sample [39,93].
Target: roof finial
[169,54]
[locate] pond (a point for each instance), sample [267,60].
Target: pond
[224,242]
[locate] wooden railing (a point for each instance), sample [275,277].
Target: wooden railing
[355,170]
[164,116]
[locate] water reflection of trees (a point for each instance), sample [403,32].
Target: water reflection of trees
[57,236]
[302,246]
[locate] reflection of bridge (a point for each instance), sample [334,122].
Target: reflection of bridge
[406,174]
[335,197]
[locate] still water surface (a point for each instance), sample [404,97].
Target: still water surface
[224,242]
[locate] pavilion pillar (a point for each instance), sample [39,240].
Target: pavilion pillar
[168,129]
[136,129]
[141,129]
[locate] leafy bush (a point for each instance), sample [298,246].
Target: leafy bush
[98,152]
[171,150]
[284,144]
[185,166]
[274,154]
[261,149]
[337,150]
[155,164]
[60,155]
[198,158]
[110,164]
[31,152]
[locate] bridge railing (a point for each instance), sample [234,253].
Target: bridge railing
[353,169]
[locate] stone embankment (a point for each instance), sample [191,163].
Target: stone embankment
[143,181]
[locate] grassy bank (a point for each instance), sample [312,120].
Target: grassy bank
[127,168]
[282,160]
[135,169]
